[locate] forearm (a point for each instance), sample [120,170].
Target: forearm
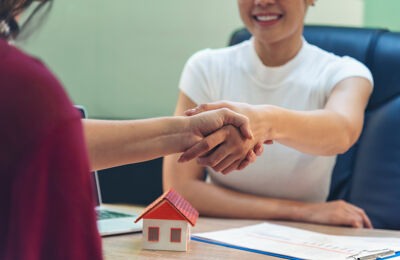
[317,132]
[216,201]
[114,143]
[328,131]
[213,200]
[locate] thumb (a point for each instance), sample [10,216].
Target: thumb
[240,121]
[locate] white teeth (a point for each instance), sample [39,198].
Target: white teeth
[267,18]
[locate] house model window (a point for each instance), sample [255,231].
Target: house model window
[176,235]
[153,233]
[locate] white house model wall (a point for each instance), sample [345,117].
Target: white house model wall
[164,234]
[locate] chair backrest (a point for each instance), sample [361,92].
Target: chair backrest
[368,175]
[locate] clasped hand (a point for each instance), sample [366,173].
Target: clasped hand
[228,144]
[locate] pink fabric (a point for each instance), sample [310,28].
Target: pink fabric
[46,199]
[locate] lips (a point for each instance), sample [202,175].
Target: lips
[267,19]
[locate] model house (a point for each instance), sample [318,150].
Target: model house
[167,223]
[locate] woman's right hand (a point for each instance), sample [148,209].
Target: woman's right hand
[225,150]
[339,213]
[227,144]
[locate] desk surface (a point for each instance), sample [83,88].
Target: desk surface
[130,246]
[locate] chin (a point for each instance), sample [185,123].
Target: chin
[268,37]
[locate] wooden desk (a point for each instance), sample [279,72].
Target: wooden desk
[130,246]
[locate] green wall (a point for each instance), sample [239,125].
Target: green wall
[383,14]
[123,59]
[337,13]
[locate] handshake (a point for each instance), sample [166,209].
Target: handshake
[220,135]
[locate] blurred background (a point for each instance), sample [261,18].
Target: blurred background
[122,59]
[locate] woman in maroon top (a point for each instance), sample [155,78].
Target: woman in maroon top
[46,203]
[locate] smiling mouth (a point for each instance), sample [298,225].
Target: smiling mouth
[267,18]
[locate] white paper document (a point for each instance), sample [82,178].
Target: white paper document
[298,243]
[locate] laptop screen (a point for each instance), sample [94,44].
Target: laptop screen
[94,176]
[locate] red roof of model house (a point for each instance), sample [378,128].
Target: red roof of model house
[172,206]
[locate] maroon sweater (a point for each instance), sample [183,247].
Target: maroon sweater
[46,201]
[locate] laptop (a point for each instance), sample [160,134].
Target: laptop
[110,222]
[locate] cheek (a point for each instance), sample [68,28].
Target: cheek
[245,5]
[295,14]
[245,10]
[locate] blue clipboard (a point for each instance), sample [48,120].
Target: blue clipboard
[266,253]
[396,255]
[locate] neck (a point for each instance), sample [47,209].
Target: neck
[280,52]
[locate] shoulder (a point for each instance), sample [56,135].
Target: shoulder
[334,68]
[30,93]
[333,63]
[329,69]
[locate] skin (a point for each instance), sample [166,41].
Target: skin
[114,143]
[341,119]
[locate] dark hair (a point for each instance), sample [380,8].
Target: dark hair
[10,8]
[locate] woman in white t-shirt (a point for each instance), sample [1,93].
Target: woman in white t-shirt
[307,103]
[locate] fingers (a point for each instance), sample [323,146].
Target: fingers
[243,164]
[225,163]
[229,116]
[233,162]
[204,146]
[238,120]
[215,157]
[356,216]
[251,157]
[206,107]
[258,149]
[366,221]
[231,168]
[356,220]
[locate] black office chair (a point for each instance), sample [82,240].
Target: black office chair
[368,175]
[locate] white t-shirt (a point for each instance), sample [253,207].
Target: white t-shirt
[304,83]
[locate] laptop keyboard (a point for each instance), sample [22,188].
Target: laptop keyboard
[107,214]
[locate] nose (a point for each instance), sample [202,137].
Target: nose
[264,2]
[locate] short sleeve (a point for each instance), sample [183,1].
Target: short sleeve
[343,68]
[196,80]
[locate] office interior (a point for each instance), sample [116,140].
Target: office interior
[123,59]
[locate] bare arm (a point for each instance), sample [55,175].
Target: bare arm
[213,200]
[328,131]
[113,143]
